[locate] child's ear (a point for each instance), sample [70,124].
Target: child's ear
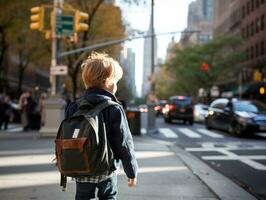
[106,83]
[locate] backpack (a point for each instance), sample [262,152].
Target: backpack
[81,145]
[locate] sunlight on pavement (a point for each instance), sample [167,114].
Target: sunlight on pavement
[18,180]
[153,154]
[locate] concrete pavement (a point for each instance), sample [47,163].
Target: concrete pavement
[166,172]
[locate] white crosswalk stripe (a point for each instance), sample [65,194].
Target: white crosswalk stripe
[209,133]
[189,133]
[168,133]
[12,128]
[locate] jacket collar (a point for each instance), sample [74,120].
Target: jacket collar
[103,94]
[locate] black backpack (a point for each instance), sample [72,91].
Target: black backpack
[81,145]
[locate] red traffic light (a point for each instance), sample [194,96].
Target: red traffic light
[204,67]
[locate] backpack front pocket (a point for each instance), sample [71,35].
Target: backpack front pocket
[72,155]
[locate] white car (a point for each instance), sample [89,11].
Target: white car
[200,112]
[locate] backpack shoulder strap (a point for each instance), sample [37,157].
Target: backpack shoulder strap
[82,102]
[105,104]
[101,106]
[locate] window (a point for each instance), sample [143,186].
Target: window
[243,33]
[248,8]
[257,25]
[243,11]
[247,54]
[257,3]
[262,48]
[257,50]
[219,104]
[252,29]
[252,52]
[252,4]
[247,31]
[262,22]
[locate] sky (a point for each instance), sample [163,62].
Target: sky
[169,16]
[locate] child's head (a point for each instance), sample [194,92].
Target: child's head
[100,70]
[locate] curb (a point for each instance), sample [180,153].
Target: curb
[220,185]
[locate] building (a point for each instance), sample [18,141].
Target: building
[245,19]
[128,60]
[227,17]
[199,23]
[147,62]
[253,32]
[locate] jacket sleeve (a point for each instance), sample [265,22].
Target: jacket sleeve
[121,140]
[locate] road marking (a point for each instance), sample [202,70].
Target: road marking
[249,160]
[189,133]
[261,134]
[27,160]
[168,133]
[209,133]
[17,129]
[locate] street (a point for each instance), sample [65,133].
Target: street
[243,160]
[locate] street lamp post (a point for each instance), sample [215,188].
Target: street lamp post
[151,125]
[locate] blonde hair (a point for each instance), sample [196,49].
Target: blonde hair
[99,69]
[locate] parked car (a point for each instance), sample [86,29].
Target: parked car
[159,107]
[200,112]
[240,117]
[179,108]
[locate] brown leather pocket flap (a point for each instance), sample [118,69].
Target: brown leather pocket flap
[77,143]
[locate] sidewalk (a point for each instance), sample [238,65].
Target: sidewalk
[166,173]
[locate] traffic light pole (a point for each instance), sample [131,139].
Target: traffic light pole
[55,49]
[54,105]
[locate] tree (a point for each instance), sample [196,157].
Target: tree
[23,46]
[220,54]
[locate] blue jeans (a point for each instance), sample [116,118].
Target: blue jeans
[107,190]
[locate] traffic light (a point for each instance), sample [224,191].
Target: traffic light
[37,18]
[257,76]
[79,25]
[204,67]
[262,90]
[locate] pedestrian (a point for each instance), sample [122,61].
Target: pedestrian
[100,74]
[31,110]
[6,112]
[41,109]
[23,110]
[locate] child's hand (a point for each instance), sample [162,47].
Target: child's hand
[132,182]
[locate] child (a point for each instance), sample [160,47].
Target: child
[100,74]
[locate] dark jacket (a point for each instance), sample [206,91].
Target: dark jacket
[117,130]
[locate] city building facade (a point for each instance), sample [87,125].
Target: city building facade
[147,63]
[199,23]
[128,62]
[245,19]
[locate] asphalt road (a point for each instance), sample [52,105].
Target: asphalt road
[243,160]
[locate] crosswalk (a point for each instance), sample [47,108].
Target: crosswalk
[13,128]
[195,133]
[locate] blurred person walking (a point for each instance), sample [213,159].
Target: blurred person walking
[41,107]
[23,101]
[31,109]
[5,112]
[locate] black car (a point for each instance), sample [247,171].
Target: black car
[240,117]
[179,108]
